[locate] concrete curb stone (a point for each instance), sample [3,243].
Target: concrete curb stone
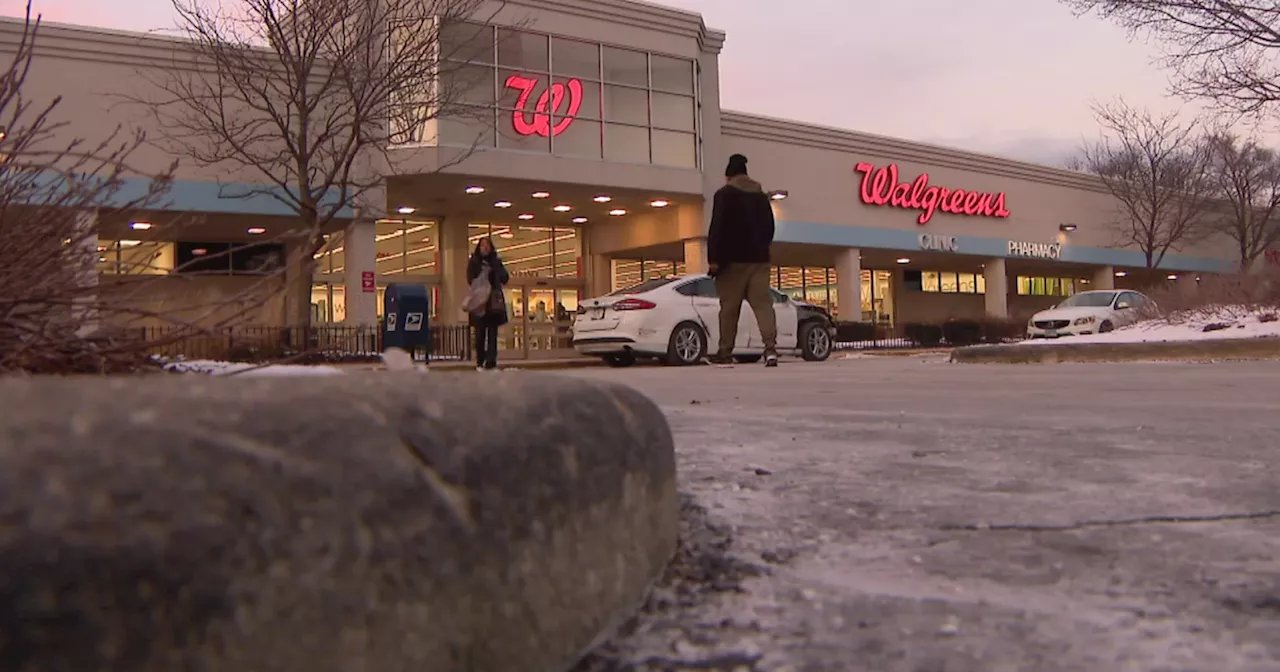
[1057,353]
[380,522]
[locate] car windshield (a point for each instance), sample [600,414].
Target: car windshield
[646,286]
[1089,300]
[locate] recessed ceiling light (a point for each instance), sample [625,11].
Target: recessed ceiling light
[502,204]
[1172,276]
[199,252]
[102,258]
[475,189]
[579,220]
[617,212]
[406,210]
[140,226]
[659,203]
[904,260]
[1121,274]
[255,230]
[525,216]
[602,199]
[778,195]
[130,243]
[562,208]
[541,194]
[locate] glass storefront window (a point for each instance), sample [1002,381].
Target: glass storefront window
[675,149]
[467,127]
[568,253]
[135,257]
[672,112]
[930,281]
[582,139]
[672,74]
[406,247]
[328,303]
[573,58]
[591,105]
[968,283]
[626,105]
[1036,286]
[625,66]
[631,272]
[526,51]
[629,144]
[508,138]
[949,283]
[462,84]
[330,258]
[463,41]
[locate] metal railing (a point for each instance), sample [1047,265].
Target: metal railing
[868,336]
[300,344]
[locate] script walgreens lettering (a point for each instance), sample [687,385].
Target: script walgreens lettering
[881,187]
[552,101]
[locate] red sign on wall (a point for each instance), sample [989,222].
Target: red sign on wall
[881,187]
[538,120]
[368,283]
[1273,257]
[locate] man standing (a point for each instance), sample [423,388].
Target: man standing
[738,258]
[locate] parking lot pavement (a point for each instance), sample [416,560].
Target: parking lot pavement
[907,514]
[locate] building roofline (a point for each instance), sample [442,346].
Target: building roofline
[756,126]
[640,14]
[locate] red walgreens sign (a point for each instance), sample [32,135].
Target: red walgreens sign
[1273,257]
[881,187]
[549,103]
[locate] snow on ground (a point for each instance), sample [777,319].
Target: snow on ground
[214,368]
[1211,324]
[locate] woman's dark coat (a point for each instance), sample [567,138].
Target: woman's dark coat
[497,278]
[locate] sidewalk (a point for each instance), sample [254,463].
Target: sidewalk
[532,364]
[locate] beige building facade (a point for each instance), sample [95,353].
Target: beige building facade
[591,145]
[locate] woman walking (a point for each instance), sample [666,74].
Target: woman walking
[493,314]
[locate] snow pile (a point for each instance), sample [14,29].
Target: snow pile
[1224,322]
[214,368]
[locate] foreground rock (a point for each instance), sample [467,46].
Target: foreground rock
[375,522]
[1065,351]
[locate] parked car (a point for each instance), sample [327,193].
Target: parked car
[677,320]
[1098,311]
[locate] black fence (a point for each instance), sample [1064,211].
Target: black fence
[952,333]
[333,344]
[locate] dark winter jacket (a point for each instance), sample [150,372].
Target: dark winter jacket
[497,278]
[741,224]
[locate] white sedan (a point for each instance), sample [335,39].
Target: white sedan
[1095,312]
[677,320]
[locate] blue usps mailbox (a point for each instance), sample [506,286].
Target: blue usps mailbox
[404,319]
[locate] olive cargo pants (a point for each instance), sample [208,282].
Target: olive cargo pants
[736,283]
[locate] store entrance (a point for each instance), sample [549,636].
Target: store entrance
[542,314]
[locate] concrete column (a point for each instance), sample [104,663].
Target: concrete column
[84,257]
[1104,278]
[849,284]
[359,257]
[997,297]
[695,255]
[600,280]
[455,250]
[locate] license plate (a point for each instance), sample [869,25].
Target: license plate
[1050,333]
[597,313]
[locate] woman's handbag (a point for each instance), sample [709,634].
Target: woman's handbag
[478,294]
[497,303]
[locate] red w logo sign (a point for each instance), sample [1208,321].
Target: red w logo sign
[548,103]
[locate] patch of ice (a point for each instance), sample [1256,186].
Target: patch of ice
[1240,322]
[215,368]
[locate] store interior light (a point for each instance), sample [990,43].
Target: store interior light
[130,243]
[562,208]
[1067,228]
[1121,274]
[602,199]
[541,194]
[406,210]
[526,216]
[199,252]
[506,235]
[1171,276]
[256,230]
[617,212]
[659,203]
[502,204]
[579,220]
[779,194]
[475,189]
[904,260]
[140,226]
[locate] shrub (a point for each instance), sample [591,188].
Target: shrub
[1246,293]
[927,335]
[855,332]
[996,330]
[962,332]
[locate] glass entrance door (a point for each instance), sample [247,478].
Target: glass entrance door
[541,321]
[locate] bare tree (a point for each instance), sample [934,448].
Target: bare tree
[1158,171]
[53,189]
[1221,50]
[1246,182]
[305,97]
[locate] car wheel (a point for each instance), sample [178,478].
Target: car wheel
[1105,327]
[815,342]
[621,360]
[747,359]
[687,346]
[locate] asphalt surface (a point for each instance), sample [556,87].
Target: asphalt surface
[909,514]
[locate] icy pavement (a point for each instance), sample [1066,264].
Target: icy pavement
[902,514]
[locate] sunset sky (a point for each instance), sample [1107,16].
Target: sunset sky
[1010,77]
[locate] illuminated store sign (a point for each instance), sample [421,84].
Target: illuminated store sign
[1035,250]
[538,120]
[881,187]
[938,242]
[1273,257]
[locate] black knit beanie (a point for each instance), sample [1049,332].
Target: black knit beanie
[737,166]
